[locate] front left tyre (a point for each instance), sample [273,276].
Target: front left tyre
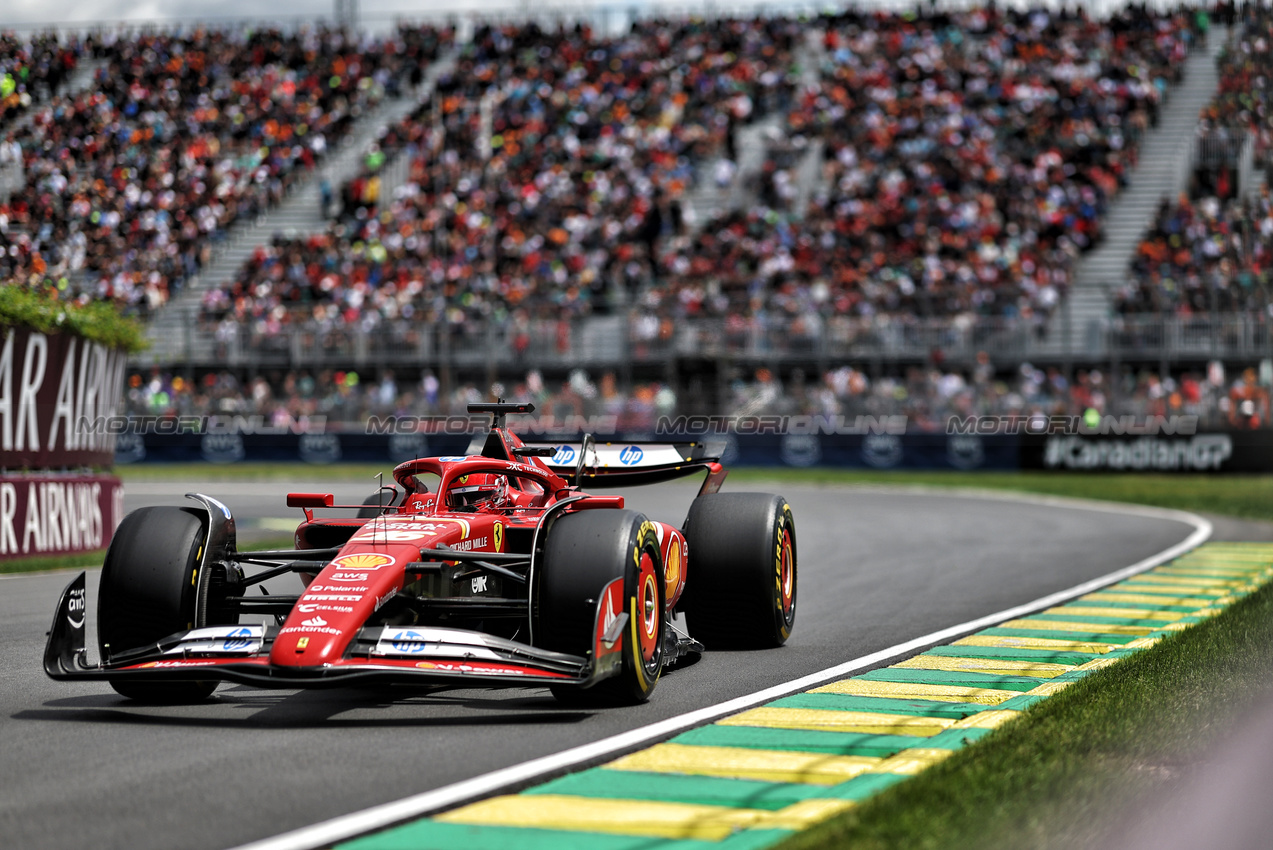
[149,590]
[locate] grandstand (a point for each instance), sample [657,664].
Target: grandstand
[860,210]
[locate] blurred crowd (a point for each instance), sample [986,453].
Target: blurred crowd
[34,68]
[927,396]
[544,170]
[1204,256]
[1213,253]
[180,134]
[968,159]
[928,164]
[346,398]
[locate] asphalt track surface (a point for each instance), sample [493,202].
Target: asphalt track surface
[79,764]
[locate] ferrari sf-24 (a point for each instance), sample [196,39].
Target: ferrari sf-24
[491,569]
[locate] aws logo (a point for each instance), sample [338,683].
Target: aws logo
[364,561]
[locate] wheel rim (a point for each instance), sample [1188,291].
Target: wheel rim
[648,610]
[786,576]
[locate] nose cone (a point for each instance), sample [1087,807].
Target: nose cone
[338,603]
[312,641]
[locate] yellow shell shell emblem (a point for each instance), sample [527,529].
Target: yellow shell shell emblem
[364,561]
[672,569]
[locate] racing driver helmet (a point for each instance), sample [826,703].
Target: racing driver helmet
[478,491]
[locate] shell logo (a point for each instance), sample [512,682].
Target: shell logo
[672,567]
[363,561]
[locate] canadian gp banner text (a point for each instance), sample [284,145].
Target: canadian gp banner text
[58,514]
[49,385]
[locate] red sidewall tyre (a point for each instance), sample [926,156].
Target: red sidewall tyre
[583,553]
[741,577]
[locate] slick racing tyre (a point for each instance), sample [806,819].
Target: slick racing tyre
[380,502]
[148,591]
[583,553]
[740,590]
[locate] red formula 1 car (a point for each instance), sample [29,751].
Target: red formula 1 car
[491,569]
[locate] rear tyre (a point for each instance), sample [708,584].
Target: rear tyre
[148,591]
[583,553]
[380,502]
[740,591]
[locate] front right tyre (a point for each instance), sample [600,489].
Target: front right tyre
[583,553]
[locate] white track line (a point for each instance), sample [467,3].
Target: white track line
[348,826]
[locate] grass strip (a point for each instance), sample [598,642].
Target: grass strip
[41,563]
[1060,774]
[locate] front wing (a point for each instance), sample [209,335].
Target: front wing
[376,655]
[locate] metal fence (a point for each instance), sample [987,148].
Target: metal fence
[1222,337]
[610,341]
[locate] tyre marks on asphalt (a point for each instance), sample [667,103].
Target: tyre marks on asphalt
[750,779]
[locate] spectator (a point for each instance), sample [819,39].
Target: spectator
[181,135]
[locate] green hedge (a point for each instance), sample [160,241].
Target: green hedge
[42,310]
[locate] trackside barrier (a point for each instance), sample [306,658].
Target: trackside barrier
[1213,451]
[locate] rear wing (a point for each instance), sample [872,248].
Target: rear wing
[626,464]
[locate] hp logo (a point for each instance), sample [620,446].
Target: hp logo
[631,455]
[565,455]
[412,642]
[237,639]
